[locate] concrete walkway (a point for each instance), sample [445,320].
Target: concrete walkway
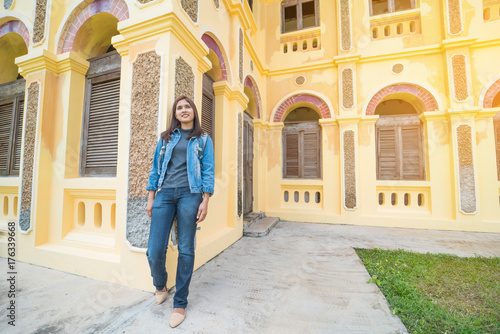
[301,278]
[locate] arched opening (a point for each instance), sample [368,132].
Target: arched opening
[302,143]
[99,153]
[399,131]
[12,88]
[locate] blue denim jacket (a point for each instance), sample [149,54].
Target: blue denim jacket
[200,175]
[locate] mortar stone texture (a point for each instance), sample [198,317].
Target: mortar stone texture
[39,25]
[143,139]
[29,154]
[349,170]
[191,8]
[184,79]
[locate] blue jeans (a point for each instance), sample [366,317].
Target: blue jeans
[168,203]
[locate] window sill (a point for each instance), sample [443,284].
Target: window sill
[91,183]
[300,33]
[395,16]
[403,183]
[10,180]
[302,182]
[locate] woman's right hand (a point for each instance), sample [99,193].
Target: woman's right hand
[151,199]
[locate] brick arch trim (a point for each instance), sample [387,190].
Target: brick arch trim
[18,27]
[424,95]
[250,82]
[319,103]
[212,45]
[491,93]
[82,13]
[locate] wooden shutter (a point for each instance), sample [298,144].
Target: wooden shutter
[291,149]
[412,153]
[310,158]
[6,113]
[497,142]
[18,137]
[100,150]
[301,147]
[387,162]
[208,106]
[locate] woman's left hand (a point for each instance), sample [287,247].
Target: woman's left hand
[202,210]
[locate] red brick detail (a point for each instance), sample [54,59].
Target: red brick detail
[18,27]
[255,90]
[319,103]
[212,45]
[82,13]
[427,99]
[490,95]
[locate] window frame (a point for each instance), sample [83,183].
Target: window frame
[298,5]
[307,129]
[398,124]
[15,127]
[391,7]
[91,79]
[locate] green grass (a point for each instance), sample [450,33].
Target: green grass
[438,293]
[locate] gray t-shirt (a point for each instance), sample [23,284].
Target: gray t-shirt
[176,175]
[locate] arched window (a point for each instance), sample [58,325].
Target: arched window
[400,154]
[302,145]
[299,14]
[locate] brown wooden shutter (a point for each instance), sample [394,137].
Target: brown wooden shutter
[6,112]
[18,137]
[291,161]
[310,158]
[387,162]
[497,142]
[412,153]
[101,144]
[208,106]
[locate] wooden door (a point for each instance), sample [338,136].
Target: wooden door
[247,163]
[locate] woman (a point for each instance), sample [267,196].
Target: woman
[180,184]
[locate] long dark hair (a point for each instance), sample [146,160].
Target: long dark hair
[175,123]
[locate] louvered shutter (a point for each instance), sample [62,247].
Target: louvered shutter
[6,112]
[18,137]
[387,153]
[101,137]
[291,161]
[497,141]
[412,155]
[310,156]
[208,106]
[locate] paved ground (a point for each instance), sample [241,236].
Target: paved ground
[301,278]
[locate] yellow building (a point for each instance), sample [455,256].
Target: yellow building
[367,112]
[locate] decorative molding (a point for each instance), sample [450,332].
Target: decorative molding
[191,9]
[424,95]
[18,27]
[28,155]
[240,165]
[397,68]
[466,169]
[302,97]
[145,99]
[250,82]
[454,17]
[214,46]
[184,79]
[459,70]
[349,163]
[347,88]
[241,43]
[345,25]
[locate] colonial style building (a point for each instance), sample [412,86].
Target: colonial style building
[364,112]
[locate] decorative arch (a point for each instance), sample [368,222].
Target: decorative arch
[82,13]
[430,103]
[18,27]
[212,44]
[250,82]
[491,93]
[322,106]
